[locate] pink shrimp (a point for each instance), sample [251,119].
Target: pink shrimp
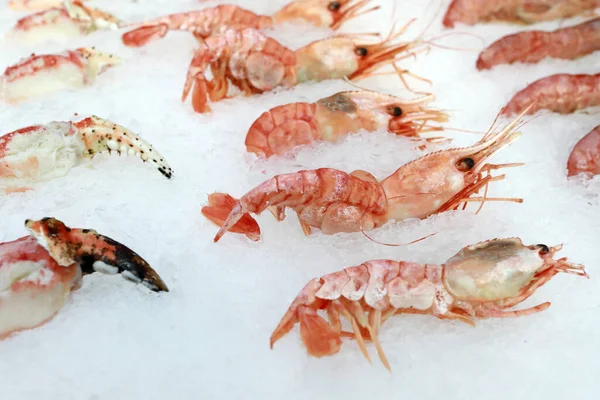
[533,46]
[483,281]
[585,156]
[209,21]
[284,127]
[256,63]
[336,201]
[38,272]
[561,93]
[470,12]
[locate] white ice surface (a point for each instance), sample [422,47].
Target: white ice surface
[208,338]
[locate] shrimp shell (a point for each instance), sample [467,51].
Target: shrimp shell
[561,93]
[585,156]
[533,46]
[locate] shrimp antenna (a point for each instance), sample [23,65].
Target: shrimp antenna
[395,244]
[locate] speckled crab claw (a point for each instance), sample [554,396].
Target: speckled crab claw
[39,75]
[69,19]
[43,152]
[38,272]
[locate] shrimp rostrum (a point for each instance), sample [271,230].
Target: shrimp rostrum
[214,20]
[256,63]
[484,280]
[336,201]
[285,127]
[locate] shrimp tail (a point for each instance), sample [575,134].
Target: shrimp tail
[145,34]
[220,206]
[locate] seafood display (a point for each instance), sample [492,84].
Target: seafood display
[336,201]
[532,46]
[285,127]
[43,152]
[70,19]
[215,20]
[560,93]
[585,156]
[256,63]
[41,74]
[484,280]
[38,272]
[471,12]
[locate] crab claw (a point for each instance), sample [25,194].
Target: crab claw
[41,74]
[93,17]
[93,252]
[100,135]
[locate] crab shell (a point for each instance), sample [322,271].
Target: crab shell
[39,75]
[60,24]
[33,286]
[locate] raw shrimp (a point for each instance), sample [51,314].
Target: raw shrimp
[209,21]
[39,272]
[282,128]
[561,93]
[470,12]
[533,46]
[482,281]
[335,201]
[585,157]
[256,63]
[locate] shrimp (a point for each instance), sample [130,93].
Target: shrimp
[335,201]
[256,63]
[482,281]
[38,272]
[41,74]
[470,12]
[71,19]
[43,152]
[282,128]
[585,157]
[209,21]
[561,93]
[533,46]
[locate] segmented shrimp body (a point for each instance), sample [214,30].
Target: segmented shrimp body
[210,21]
[471,12]
[285,127]
[256,63]
[561,93]
[38,272]
[335,201]
[201,23]
[533,46]
[71,19]
[481,281]
[251,60]
[585,156]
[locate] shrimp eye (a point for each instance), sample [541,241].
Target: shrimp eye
[361,51]
[543,249]
[397,111]
[465,164]
[334,6]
